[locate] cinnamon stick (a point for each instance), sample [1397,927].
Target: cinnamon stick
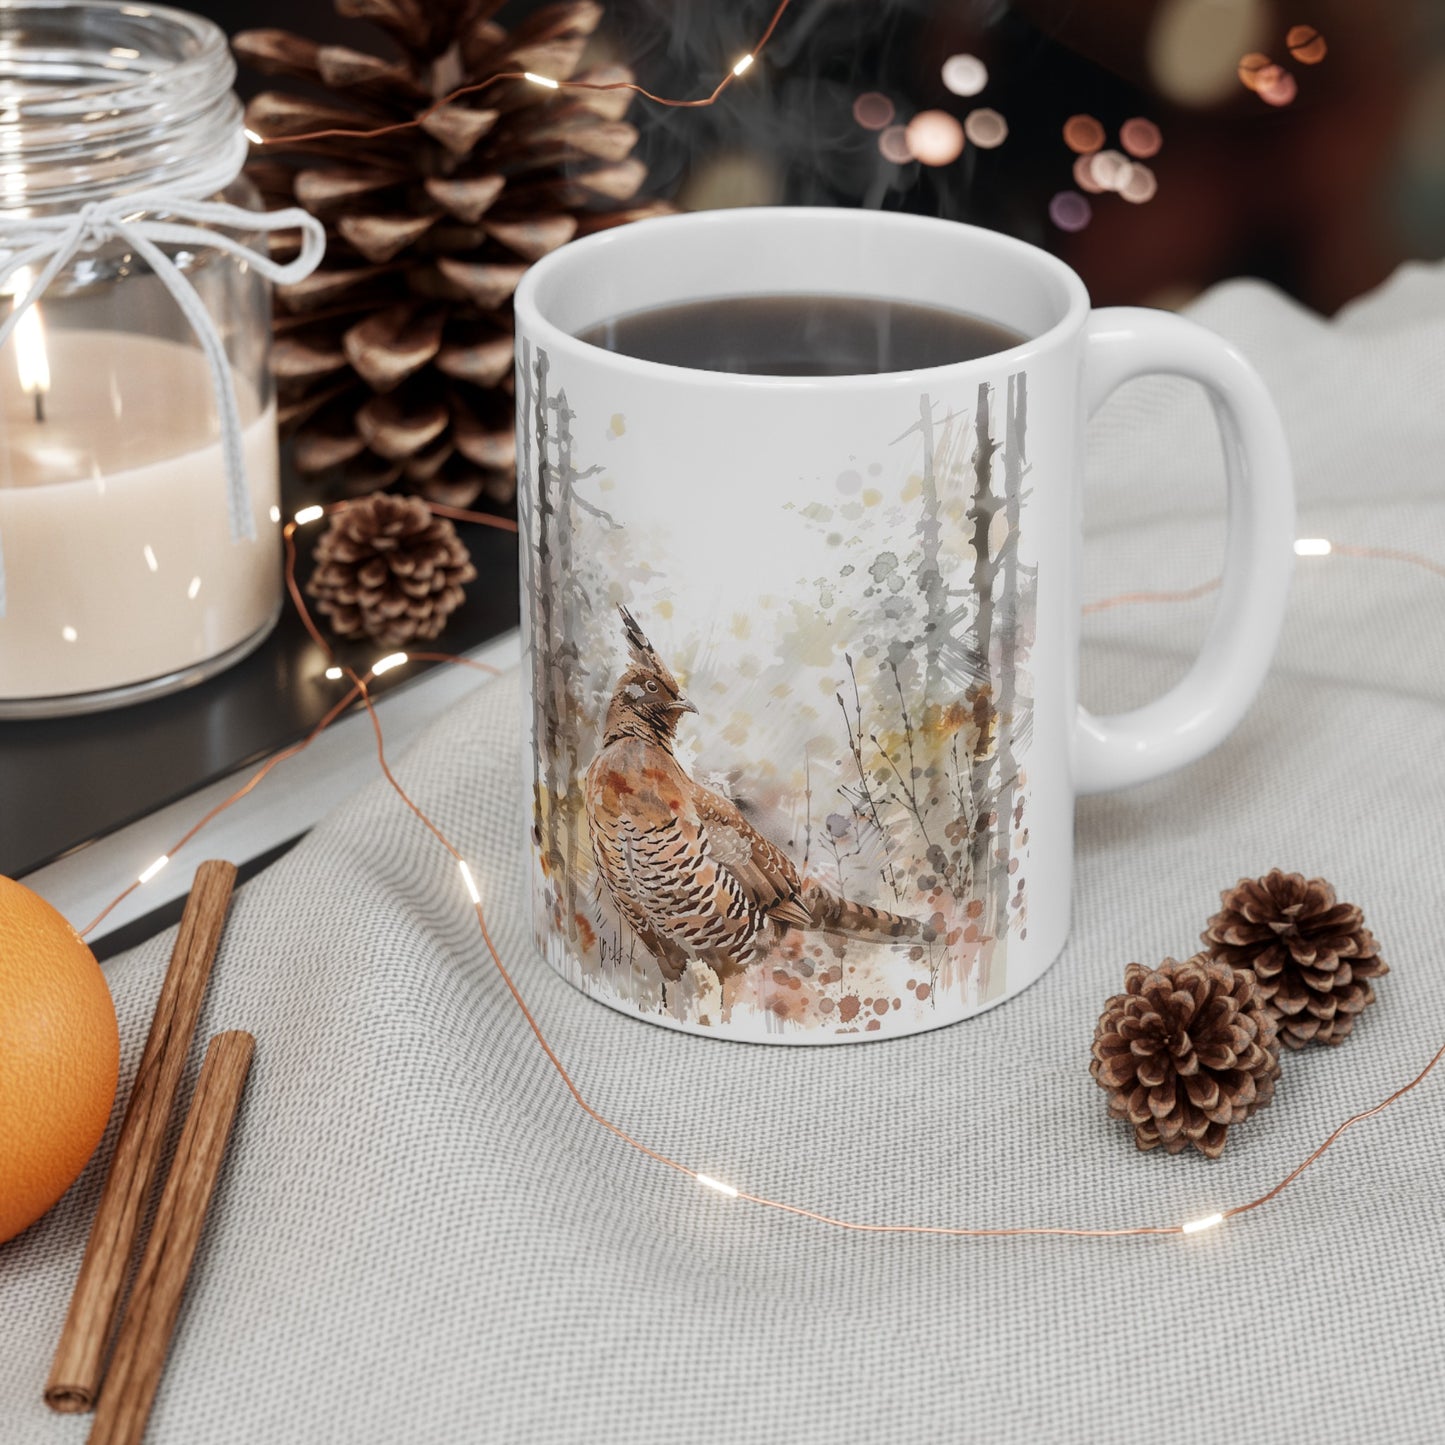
[160,1283]
[79,1362]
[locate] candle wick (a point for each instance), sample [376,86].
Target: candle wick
[39,405]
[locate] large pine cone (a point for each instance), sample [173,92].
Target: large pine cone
[394,360]
[387,569]
[1185,1051]
[1313,956]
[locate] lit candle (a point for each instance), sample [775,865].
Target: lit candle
[32,361]
[120,564]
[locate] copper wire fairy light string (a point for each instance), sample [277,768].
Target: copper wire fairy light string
[504,524]
[254,781]
[547,82]
[1131,599]
[360,690]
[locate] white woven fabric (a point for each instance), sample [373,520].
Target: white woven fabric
[419,1237]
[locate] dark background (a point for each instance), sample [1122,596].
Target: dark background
[1324,196]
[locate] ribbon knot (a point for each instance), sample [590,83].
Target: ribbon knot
[91,219]
[146,222]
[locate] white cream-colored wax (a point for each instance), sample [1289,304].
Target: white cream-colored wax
[119,561]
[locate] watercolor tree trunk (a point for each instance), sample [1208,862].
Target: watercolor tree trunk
[543,638]
[533,639]
[996,912]
[981,514]
[558,611]
[930,573]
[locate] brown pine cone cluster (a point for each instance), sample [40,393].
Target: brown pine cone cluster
[1187,1050]
[393,360]
[1313,956]
[388,570]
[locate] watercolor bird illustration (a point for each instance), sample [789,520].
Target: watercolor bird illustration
[689,874]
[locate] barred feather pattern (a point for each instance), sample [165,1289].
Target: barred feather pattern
[687,872]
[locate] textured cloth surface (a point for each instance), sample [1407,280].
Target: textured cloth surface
[419,1237]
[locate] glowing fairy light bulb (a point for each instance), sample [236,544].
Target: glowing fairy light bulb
[154,868]
[385,664]
[472,890]
[1313,547]
[256,140]
[309,514]
[742,65]
[708,1182]
[545,81]
[1197,1226]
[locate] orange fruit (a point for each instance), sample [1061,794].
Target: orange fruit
[59,1056]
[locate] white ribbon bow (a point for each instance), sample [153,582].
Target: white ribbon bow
[52,242]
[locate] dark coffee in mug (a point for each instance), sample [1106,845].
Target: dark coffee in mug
[801,335]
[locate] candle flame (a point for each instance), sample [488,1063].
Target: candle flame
[31,359]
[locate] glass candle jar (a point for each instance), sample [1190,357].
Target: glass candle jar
[137,558]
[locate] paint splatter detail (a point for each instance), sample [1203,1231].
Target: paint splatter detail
[883,793]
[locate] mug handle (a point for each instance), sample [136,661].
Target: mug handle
[1196,714]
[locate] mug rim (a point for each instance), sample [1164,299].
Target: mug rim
[559,341]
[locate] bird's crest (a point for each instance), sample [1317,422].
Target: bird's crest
[643,652]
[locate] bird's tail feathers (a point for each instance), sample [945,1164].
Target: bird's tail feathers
[831,914]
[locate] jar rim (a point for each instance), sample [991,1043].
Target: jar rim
[209,47]
[103,97]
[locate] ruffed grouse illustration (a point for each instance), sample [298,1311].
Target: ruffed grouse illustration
[690,875]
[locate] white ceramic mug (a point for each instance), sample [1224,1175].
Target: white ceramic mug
[804,721]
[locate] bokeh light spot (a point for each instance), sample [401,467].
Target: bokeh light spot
[935,137]
[1084,175]
[1110,170]
[872,111]
[1193,47]
[1276,86]
[893,142]
[1140,137]
[1070,211]
[965,74]
[1083,134]
[1306,44]
[732,179]
[985,128]
[1250,67]
[1141,184]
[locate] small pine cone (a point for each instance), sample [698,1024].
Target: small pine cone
[1185,1051]
[387,569]
[1313,956]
